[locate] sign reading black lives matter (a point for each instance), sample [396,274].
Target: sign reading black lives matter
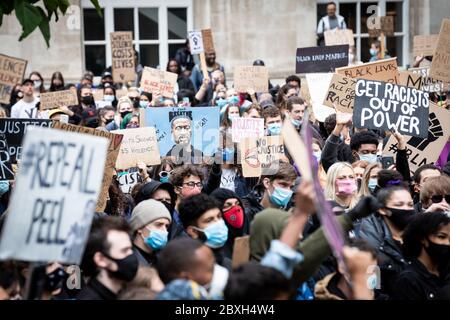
[386,106]
[321,59]
[54,198]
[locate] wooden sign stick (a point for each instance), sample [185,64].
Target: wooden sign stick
[203,65]
[382,48]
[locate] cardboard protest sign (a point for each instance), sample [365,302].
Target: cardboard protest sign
[14,131]
[128,180]
[339,36]
[321,59]
[138,144]
[318,84]
[123,68]
[56,99]
[426,150]
[98,95]
[196,42]
[54,197]
[241,251]
[386,106]
[6,171]
[261,156]
[381,25]
[189,134]
[254,77]
[154,80]
[341,93]
[410,79]
[208,43]
[383,70]
[428,84]
[440,66]
[247,128]
[111,155]
[424,45]
[11,73]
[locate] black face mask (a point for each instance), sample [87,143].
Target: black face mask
[126,267]
[107,121]
[168,206]
[439,253]
[123,114]
[400,217]
[87,100]
[136,104]
[55,280]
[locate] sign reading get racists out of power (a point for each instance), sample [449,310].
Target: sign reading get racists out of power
[385,106]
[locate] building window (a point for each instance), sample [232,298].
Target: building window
[355,14]
[159,28]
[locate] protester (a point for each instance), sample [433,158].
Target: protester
[56,82]
[26,107]
[38,83]
[369,180]
[341,185]
[272,121]
[182,81]
[124,107]
[329,22]
[109,96]
[211,65]
[375,52]
[435,194]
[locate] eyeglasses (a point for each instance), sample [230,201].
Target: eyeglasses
[438,198]
[192,184]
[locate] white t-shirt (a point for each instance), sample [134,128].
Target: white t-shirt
[24,109]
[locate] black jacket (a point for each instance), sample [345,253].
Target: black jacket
[96,291]
[390,258]
[334,151]
[252,203]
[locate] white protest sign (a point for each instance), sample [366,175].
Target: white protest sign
[128,181]
[196,42]
[54,198]
[247,128]
[318,84]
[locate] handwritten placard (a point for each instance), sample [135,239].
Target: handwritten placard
[154,80]
[321,59]
[254,77]
[261,156]
[122,51]
[381,25]
[11,73]
[247,128]
[341,93]
[208,42]
[425,45]
[440,66]
[57,99]
[383,70]
[339,36]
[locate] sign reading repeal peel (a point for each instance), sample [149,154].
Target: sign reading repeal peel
[52,100]
[425,45]
[154,80]
[123,68]
[54,197]
[111,156]
[254,77]
[428,84]
[440,66]
[341,93]
[137,145]
[339,36]
[383,70]
[247,128]
[11,73]
[386,106]
[321,59]
[422,151]
[196,42]
[379,25]
[208,43]
[261,156]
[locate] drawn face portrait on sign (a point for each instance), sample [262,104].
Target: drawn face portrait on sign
[182,130]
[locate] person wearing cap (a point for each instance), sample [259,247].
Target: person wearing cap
[150,222]
[26,107]
[55,114]
[107,78]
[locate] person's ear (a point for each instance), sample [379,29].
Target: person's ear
[100,260]
[385,212]
[177,191]
[192,232]
[355,155]
[266,183]
[416,188]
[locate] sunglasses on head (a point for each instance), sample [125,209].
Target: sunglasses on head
[438,198]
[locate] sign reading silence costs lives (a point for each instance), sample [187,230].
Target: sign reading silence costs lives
[386,106]
[54,198]
[321,59]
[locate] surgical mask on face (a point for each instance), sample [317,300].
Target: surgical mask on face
[280,196]
[401,217]
[4,187]
[232,116]
[157,239]
[317,155]
[372,184]
[108,97]
[370,158]
[296,123]
[216,234]
[221,102]
[233,100]
[37,84]
[373,52]
[274,129]
[345,187]
[143,104]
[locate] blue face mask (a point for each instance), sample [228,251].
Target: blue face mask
[157,239]
[108,97]
[280,197]
[373,52]
[233,100]
[228,154]
[317,155]
[216,234]
[372,184]
[164,179]
[296,123]
[221,102]
[232,116]
[370,158]
[4,187]
[274,129]
[143,104]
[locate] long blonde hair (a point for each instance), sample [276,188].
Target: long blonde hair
[330,189]
[364,191]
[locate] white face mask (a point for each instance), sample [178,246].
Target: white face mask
[37,84]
